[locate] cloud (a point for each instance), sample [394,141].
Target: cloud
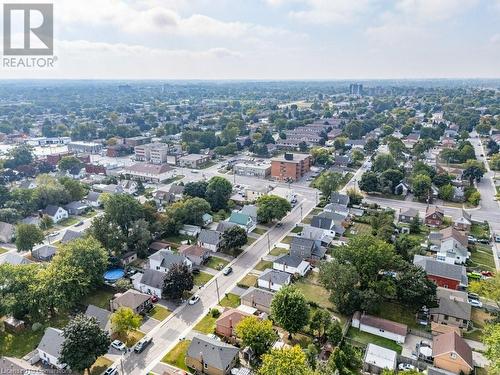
[332,11]
[495,39]
[433,10]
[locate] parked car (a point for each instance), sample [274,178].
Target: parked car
[142,344]
[118,345]
[484,240]
[111,371]
[279,224]
[194,299]
[227,271]
[473,296]
[405,367]
[154,299]
[487,273]
[475,303]
[79,223]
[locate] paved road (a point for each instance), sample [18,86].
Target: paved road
[176,327]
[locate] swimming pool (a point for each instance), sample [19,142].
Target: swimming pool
[114,274]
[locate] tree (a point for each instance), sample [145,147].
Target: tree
[413,288]
[289,309]
[393,177]
[285,361]
[74,188]
[303,147]
[46,222]
[233,238]
[495,162]
[218,192]
[344,360]
[27,236]
[177,281]
[20,155]
[415,225]
[369,182]
[334,333]
[320,320]
[108,234]
[371,145]
[122,210]
[124,320]
[355,197]
[196,189]
[446,192]
[421,186]
[84,341]
[328,182]
[474,171]
[311,353]
[139,238]
[194,209]
[321,156]
[490,288]
[70,164]
[383,162]
[272,207]
[258,334]
[18,295]
[474,197]
[491,338]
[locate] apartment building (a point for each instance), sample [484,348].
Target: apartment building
[290,167]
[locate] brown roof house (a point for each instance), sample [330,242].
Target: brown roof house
[228,320]
[380,327]
[453,308]
[196,254]
[434,216]
[210,356]
[452,353]
[259,299]
[139,302]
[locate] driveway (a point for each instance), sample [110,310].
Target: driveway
[148,324]
[409,347]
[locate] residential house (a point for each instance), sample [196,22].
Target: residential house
[94,199]
[377,359]
[128,186]
[340,198]
[259,299]
[431,370]
[403,188]
[149,282]
[190,230]
[452,353]
[164,259]
[128,258]
[76,208]
[44,253]
[11,365]
[14,259]
[56,213]
[196,254]
[453,308]
[324,236]
[331,221]
[102,316]
[463,222]
[222,226]
[176,192]
[209,356]
[157,246]
[453,246]
[337,208]
[445,275]
[434,216]
[243,221]
[380,327]
[252,193]
[292,265]
[140,303]
[307,249]
[407,215]
[273,280]
[70,235]
[7,232]
[207,219]
[342,161]
[250,210]
[227,321]
[210,239]
[49,348]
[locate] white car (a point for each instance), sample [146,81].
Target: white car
[194,299]
[405,367]
[475,303]
[118,345]
[111,371]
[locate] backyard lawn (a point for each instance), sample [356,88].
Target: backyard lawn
[400,314]
[202,278]
[100,365]
[69,221]
[216,263]
[314,291]
[3,250]
[482,258]
[367,338]
[159,313]
[99,298]
[248,281]
[259,231]
[178,238]
[206,325]
[230,300]
[263,265]
[176,356]
[358,229]
[277,251]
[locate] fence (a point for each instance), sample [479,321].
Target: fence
[417,332]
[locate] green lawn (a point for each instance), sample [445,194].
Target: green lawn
[206,325]
[3,250]
[248,281]
[482,258]
[202,278]
[250,240]
[176,357]
[159,313]
[90,214]
[99,298]
[480,230]
[307,219]
[230,300]
[131,338]
[316,211]
[263,265]
[100,365]
[259,231]
[367,338]
[173,179]
[314,291]
[69,221]
[216,263]
[398,313]
[20,344]
[297,229]
[277,251]
[288,240]
[358,229]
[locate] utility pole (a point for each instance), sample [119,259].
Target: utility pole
[301,212]
[121,363]
[268,242]
[217,286]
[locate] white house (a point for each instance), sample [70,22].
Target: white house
[164,259]
[56,213]
[149,282]
[380,327]
[292,265]
[274,280]
[94,199]
[49,348]
[378,359]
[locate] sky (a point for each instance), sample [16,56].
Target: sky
[272,39]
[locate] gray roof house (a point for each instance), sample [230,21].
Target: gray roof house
[137,301]
[49,347]
[250,210]
[153,278]
[7,232]
[44,253]
[306,248]
[442,272]
[164,259]
[318,234]
[274,280]
[453,308]
[71,235]
[222,226]
[76,208]
[93,198]
[15,259]
[408,215]
[209,239]
[101,315]
[339,198]
[259,299]
[211,356]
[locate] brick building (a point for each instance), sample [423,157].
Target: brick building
[290,166]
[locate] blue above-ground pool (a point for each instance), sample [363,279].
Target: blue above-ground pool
[114,274]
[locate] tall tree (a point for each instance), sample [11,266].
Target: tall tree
[320,320]
[218,192]
[177,281]
[285,361]
[414,289]
[491,338]
[84,342]
[233,238]
[289,309]
[70,164]
[328,182]
[196,189]
[123,210]
[124,320]
[27,236]
[421,186]
[272,207]
[257,334]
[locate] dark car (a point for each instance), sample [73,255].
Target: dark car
[227,271]
[143,344]
[280,224]
[79,223]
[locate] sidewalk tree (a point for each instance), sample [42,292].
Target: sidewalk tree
[124,320]
[272,207]
[474,171]
[421,186]
[289,309]
[369,182]
[27,236]
[491,338]
[178,280]
[328,182]
[46,222]
[285,361]
[84,342]
[258,334]
[218,192]
[233,238]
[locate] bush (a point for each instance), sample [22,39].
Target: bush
[215,313]
[36,327]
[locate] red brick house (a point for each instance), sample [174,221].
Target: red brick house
[445,275]
[229,319]
[434,216]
